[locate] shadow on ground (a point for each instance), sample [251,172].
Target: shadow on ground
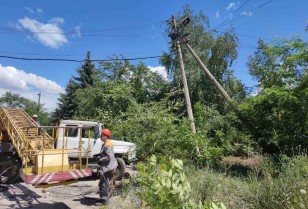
[19,196]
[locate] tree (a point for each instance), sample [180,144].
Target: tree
[146,85]
[217,51]
[279,111]
[282,63]
[12,100]
[87,76]
[67,103]
[88,73]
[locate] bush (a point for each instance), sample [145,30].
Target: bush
[164,185]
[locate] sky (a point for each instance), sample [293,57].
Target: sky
[67,29]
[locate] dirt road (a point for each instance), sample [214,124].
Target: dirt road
[81,194]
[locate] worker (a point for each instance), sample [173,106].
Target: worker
[35,118]
[107,164]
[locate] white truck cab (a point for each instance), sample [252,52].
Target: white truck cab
[88,134]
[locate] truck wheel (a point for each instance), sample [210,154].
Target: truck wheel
[9,169]
[120,170]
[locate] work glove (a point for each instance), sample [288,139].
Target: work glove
[96,157]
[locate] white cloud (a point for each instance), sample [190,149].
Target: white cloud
[159,70]
[217,15]
[34,11]
[28,85]
[246,13]
[230,6]
[49,34]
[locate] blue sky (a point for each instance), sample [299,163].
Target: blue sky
[68,29]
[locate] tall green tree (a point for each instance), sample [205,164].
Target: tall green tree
[279,110]
[87,73]
[67,102]
[87,76]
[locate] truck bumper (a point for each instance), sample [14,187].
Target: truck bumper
[56,177]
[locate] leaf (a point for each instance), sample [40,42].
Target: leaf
[168,183]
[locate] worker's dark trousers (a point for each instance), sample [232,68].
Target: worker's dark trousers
[104,186]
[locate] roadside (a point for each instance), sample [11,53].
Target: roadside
[77,195]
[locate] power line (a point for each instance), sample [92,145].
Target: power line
[75,60]
[21,32]
[241,6]
[243,35]
[72,55]
[12,30]
[234,13]
[242,15]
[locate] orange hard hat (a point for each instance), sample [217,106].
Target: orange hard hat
[106,132]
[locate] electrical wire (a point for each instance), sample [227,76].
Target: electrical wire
[242,15]
[75,60]
[11,30]
[234,13]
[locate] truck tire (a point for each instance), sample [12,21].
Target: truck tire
[9,168]
[120,170]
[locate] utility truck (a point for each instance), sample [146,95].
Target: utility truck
[52,154]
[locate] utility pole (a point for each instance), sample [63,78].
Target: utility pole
[179,37]
[38,102]
[208,73]
[175,36]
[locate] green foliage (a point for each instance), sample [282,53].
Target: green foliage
[67,102]
[146,85]
[88,75]
[273,185]
[106,101]
[280,119]
[279,111]
[281,63]
[163,184]
[216,50]
[12,100]
[222,131]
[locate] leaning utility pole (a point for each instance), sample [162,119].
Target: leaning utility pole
[175,36]
[207,72]
[179,37]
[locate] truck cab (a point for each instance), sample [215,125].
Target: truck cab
[74,133]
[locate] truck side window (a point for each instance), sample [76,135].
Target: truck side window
[71,131]
[88,132]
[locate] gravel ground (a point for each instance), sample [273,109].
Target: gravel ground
[77,195]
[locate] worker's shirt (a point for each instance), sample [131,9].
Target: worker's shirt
[107,159]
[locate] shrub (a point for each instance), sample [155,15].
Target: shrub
[164,185]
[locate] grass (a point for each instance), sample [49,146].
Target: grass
[281,183]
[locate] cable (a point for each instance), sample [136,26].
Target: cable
[241,6]
[234,13]
[17,32]
[248,36]
[233,20]
[73,60]
[11,30]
